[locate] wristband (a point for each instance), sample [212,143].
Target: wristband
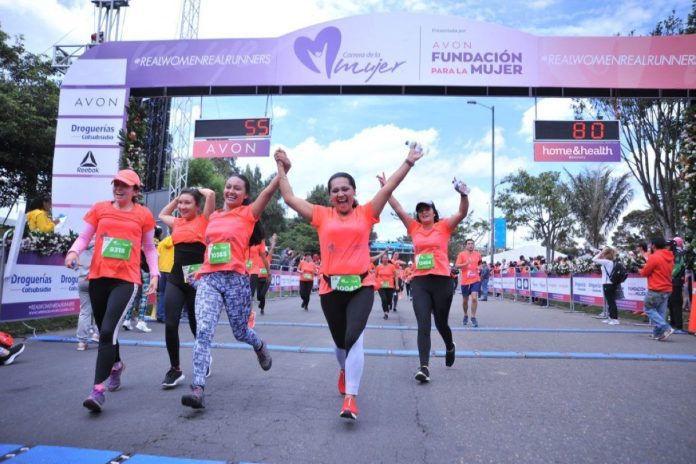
[409,162]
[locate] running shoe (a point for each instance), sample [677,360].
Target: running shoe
[466,320]
[264,357]
[613,322]
[423,374]
[450,355]
[128,325]
[262,311]
[349,409]
[195,398]
[142,326]
[669,331]
[474,322]
[342,381]
[81,346]
[14,351]
[95,337]
[113,383]
[95,400]
[386,315]
[172,378]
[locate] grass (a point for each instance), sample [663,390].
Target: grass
[22,328]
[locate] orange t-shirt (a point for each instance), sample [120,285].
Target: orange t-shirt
[305,269]
[385,275]
[469,273]
[431,241]
[232,227]
[344,242]
[254,260]
[128,225]
[185,231]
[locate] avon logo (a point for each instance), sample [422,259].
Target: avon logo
[327,44]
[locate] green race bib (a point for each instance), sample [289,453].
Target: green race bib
[116,248]
[385,284]
[249,264]
[190,272]
[346,283]
[307,276]
[263,271]
[219,253]
[425,261]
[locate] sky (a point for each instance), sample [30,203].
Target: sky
[366,135]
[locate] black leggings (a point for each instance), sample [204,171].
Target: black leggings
[259,286]
[306,291]
[176,297]
[111,299]
[609,291]
[386,295]
[432,294]
[347,313]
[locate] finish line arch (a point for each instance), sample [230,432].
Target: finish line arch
[404,54]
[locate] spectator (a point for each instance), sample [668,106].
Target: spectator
[485,274]
[165,252]
[605,259]
[86,328]
[676,300]
[38,217]
[658,270]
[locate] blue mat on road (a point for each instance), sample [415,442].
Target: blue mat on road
[7,447]
[147,459]
[63,455]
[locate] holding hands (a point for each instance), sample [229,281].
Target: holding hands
[281,157]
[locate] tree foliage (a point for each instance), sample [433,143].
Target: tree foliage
[28,110]
[636,226]
[597,200]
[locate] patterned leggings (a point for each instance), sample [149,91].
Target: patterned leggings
[217,290]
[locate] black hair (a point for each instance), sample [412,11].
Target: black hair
[658,242]
[195,193]
[351,181]
[436,216]
[258,234]
[38,202]
[158,232]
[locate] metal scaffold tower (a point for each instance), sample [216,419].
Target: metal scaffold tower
[181,117]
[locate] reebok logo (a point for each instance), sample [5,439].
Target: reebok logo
[88,165]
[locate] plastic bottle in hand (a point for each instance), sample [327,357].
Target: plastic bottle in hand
[415,145]
[460,187]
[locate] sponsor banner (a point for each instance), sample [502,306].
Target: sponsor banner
[88,132]
[500,233]
[91,190]
[101,72]
[634,288]
[74,217]
[87,161]
[509,284]
[497,283]
[284,281]
[228,148]
[559,288]
[92,102]
[587,289]
[401,49]
[578,151]
[39,287]
[537,283]
[522,284]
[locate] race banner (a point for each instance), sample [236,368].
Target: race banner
[522,286]
[538,285]
[559,288]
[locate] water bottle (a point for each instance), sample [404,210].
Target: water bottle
[460,187]
[415,145]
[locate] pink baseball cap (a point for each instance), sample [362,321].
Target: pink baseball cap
[128,177]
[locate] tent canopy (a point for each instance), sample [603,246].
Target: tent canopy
[528,251]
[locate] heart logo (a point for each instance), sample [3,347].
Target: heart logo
[327,43]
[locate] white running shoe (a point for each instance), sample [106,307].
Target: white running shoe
[128,325]
[613,322]
[142,326]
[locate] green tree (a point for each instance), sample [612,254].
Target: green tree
[319,196]
[636,226]
[28,110]
[203,173]
[687,196]
[597,200]
[132,138]
[539,202]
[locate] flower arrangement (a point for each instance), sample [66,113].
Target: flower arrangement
[47,243]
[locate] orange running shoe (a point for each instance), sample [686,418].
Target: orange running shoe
[342,382]
[252,319]
[349,409]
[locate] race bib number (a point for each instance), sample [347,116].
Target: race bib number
[249,264]
[116,248]
[190,272]
[263,271]
[307,276]
[346,283]
[219,253]
[385,284]
[425,261]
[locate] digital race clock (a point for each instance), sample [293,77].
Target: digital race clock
[219,128]
[576,130]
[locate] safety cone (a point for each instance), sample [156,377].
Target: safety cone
[692,314]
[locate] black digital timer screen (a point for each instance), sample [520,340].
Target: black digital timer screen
[576,130]
[219,128]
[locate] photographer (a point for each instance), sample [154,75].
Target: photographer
[658,270]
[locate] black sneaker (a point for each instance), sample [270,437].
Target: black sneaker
[14,351]
[450,355]
[264,356]
[172,378]
[423,374]
[195,398]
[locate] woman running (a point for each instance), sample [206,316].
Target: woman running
[258,266]
[386,279]
[223,282]
[307,270]
[346,287]
[431,284]
[188,237]
[122,227]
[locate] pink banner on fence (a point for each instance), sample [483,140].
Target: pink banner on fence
[522,285]
[559,288]
[538,285]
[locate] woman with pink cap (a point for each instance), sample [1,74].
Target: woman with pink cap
[122,227]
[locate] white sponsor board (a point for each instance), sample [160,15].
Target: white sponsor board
[588,286]
[96,72]
[92,102]
[88,132]
[538,284]
[558,286]
[509,283]
[635,288]
[85,161]
[40,283]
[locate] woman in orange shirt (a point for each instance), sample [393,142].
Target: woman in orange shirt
[188,232]
[431,284]
[386,275]
[259,269]
[223,282]
[122,227]
[307,270]
[346,286]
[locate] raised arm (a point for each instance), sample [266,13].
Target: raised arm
[264,197]
[377,257]
[209,205]
[461,213]
[396,206]
[300,205]
[166,214]
[382,196]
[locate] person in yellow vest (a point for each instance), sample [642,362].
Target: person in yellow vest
[165,252]
[38,217]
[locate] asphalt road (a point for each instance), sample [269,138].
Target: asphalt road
[488,407]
